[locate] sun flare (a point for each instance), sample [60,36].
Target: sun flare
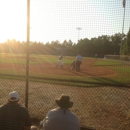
[13,20]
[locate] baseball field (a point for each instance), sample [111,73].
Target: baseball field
[103,107]
[106,71]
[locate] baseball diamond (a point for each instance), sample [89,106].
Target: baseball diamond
[87,69]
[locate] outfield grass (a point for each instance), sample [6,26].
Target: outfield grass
[33,59]
[122,68]
[108,63]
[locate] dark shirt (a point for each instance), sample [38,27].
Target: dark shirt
[73,64]
[14,117]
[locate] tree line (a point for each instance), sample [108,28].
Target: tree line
[101,45]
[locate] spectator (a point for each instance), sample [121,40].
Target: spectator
[13,116]
[61,118]
[78,62]
[34,128]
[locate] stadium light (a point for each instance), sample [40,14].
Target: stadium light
[78,28]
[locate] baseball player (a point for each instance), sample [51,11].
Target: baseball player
[60,63]
[78,62]
[72,65]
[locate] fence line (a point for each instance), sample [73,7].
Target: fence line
[93,105]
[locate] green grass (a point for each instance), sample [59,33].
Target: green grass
[33,59]
[121,69]
[108,63]
[67,80]
[12,60]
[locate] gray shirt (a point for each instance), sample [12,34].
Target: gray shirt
[60,119]
[78,58]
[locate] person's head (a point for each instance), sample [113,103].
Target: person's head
[34,128]
[13,97]
[64,101]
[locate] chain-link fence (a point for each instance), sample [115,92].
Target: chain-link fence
[100,107]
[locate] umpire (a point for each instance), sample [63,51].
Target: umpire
[78,62]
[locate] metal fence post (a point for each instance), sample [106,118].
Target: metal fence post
[27,53]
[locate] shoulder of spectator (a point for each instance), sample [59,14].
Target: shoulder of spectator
[25,111]
[22,106]
[27,128]
[1,106]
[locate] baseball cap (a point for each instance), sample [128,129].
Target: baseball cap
[13,96]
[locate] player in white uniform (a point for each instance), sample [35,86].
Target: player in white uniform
[60,62]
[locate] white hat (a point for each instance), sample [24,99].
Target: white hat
[14,95]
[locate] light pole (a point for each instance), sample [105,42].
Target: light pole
[124,3]
[78,28]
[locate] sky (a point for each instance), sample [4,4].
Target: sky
[52,20]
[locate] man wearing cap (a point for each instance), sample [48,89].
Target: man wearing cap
[13,116]
[61,118]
